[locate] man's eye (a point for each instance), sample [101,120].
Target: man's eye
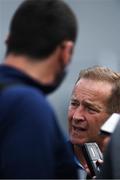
[74,103]
[92,110]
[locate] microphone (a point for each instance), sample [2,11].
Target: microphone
[109,126]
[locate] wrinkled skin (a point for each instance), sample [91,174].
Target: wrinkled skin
[88,110]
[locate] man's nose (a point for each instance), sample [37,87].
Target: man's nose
[79,115]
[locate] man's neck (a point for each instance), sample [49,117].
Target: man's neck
[38,70]
[79,155]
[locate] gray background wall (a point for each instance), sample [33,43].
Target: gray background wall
[98,43]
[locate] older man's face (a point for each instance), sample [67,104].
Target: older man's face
[87,110]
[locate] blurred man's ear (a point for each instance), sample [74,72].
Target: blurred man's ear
[67,51]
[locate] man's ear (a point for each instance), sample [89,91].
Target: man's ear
[67,51]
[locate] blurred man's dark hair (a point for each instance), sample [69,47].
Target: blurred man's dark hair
[38,27]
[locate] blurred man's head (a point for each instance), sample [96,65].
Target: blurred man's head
[38,27]
[43,31]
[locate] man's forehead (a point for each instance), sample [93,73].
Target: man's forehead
[100,86]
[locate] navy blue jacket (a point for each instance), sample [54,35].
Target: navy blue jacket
[31,143]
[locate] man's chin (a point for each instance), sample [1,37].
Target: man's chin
[75,141]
